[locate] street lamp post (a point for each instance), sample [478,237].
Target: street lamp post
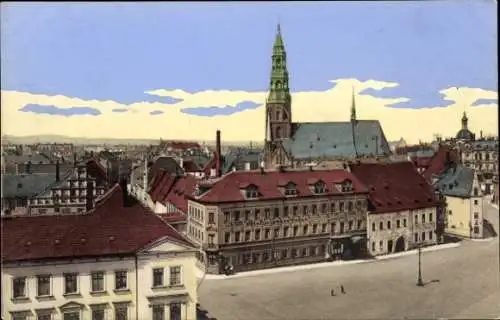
[420,283]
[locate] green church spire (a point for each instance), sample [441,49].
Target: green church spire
[279,91]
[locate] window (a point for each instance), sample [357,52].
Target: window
[333,227]
[319,188]
[46,315]
[276,233]
[430,235]
[276,213]
[257,234]
[314,209]
[423,236]
[373,246]
[71,284]
[350,225]
[267,234]
[98,314]
[43,285]
[121,311]
[175,311]
[404,223]
[257,214]
[430,217]
[158,312]
[381,245]
[476,202]
[360,224]
[73,315]
[305,210]
[381,226]
[97,281]
[286,230]
[341,206]
[476,192]
[267,213]
[236,216]
[398,224]
[295,230]
[252,193]
[423,217]
[175,276]
[121,280]
[227,237]
[305,230]
[247,215]
[158,277]
[389,225]
[211,217]
[284,253]
[285,211]
[315,228]
[226,217]
[295,253]
[290,189]
[373,226]
[342,227]
[476,229]
[416,237]
[237,236]
[323,228]
[476,215]
[19,286]
[349,206]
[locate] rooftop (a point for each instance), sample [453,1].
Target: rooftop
[394,186]
[174,189]
[111,229]
[270,185]
[457,181]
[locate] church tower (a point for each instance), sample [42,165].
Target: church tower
[278,103]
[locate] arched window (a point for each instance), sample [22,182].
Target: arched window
[278,133]
[278,84]
[278,115]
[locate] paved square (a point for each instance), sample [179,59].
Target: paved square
[468,288]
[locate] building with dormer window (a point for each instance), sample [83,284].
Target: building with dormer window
[262,219]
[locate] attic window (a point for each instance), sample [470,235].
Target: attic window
[19,185]
[347,186]
[319,187]
[290,189]
[251,192]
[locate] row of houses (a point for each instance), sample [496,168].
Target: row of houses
[117,261]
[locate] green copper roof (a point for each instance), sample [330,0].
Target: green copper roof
[335,139]
[279,90]
[456,182]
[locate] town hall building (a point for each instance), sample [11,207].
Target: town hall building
[323,144]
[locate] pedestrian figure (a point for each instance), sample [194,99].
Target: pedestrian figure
[332,293]
[342,289]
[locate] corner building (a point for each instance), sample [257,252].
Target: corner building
[263,219]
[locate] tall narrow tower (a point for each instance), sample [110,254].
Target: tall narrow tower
[278,104]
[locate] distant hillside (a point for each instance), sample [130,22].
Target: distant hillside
[100,141]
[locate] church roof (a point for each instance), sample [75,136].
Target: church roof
[335,139]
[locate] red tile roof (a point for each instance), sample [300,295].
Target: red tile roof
[173,217]
[109,230]
[438,162]
[173,189]
[421,162]
[190,166]
[228,188]
[182,145]
[394,186]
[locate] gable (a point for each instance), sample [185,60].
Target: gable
[166,245]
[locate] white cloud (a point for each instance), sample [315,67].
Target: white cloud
[330,105]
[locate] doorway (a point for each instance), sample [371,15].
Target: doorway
[400,245]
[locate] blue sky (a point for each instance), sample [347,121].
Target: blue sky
[111,51]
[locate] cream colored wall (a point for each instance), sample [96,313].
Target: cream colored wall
[459,210]
[375,235]
[84,269]
[165,256]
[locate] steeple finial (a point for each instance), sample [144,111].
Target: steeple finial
[353,106]
[464,121]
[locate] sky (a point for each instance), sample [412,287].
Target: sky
[183,70]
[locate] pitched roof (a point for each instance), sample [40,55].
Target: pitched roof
[163,163]
[190,166]
[110,229]
[229,187]
[182,145]
[335,139]
[173,217]
[25,185]
[456,181]
[173,189]
[394,186]
[439,162]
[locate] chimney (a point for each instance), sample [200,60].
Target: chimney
[125,198]
[90,195]
[481,134]
[58,172]
[218,156]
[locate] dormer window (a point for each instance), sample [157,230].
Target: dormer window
[346,186]
[251,192]
[319,187]
[290,189]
